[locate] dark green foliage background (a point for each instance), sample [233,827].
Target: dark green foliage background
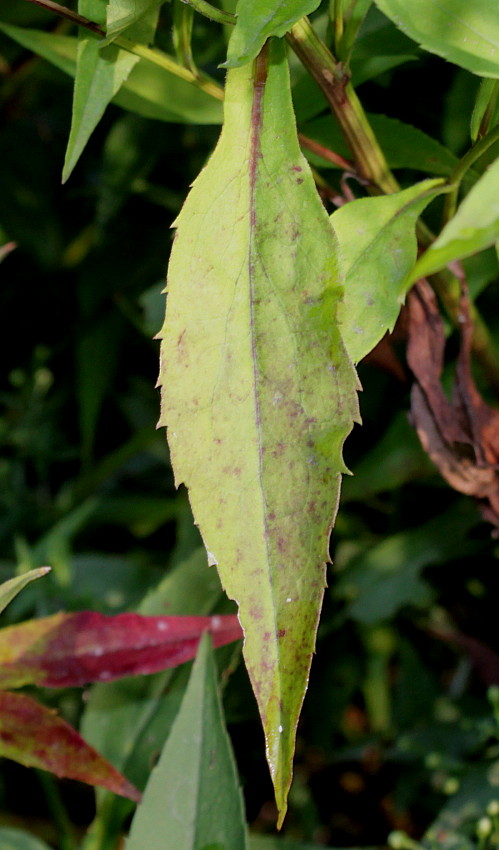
[395,718]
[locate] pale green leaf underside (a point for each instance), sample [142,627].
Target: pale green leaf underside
[474,227]
[192,799]
[149,90]
[257,20]
[258,393]
[378,247]
[465,32]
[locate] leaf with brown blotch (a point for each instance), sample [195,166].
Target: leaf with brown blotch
[35,736]
[68,650]
[460,436]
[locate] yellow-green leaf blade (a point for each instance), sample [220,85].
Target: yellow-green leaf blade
[258,392]
[378,247]
[474,227]
[257,20]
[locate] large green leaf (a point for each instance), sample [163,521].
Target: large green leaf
[257,20]
[474,227]
[149,90]
[192,796]
[378,247]
[100,73]
[258,392]
[464,32]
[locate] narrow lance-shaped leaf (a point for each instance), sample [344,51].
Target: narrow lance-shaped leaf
[464,32]
[100,73]
[68,650]
[258,391]
[257,20]
[35,736]
[198,806]
[474,227]
[378,247]
[9,589]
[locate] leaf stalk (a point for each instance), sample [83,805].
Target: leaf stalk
[332,78]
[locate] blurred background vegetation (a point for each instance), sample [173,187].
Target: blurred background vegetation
[399,730]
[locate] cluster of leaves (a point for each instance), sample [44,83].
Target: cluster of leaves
[270,303]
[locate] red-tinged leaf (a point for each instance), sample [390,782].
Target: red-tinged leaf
[35,736]
[68,650]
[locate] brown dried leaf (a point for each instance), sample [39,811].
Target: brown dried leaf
[460,436]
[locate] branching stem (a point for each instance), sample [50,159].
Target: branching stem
[152,54]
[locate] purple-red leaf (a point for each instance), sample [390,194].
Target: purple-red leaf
[35,736]
[73,649]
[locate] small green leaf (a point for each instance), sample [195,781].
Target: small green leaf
[9,589]
[192,795]
[474,227]
[257,20]
[486,110]
[378,246]
[100,73]
[258,392]
[464,32]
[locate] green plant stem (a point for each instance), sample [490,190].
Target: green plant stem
[330,76]
[152,54]
[68,14]
[211,12]
[61,820]
[157,57]
[470,157]
[371,165]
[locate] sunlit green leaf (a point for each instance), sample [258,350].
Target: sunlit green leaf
[192,795]
[377,247]
[257,20]
[257,387]
[464,32]
[474,227]
[9,589]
